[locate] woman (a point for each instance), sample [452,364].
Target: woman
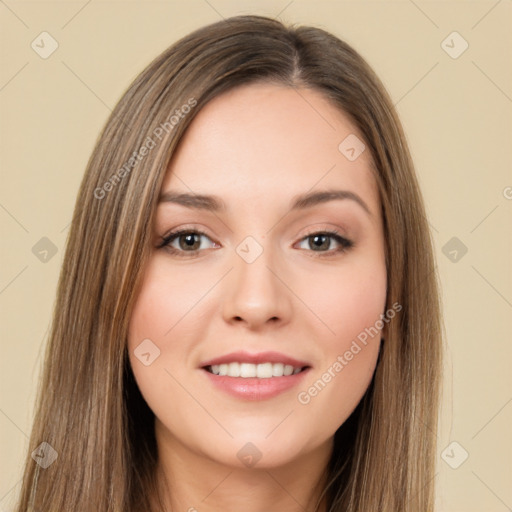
[292,359]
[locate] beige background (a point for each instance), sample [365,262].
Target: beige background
[457,116]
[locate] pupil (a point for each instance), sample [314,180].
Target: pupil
[316,238]
[189,240]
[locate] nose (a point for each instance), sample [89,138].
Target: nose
[257,294]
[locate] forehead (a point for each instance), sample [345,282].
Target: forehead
[266,143]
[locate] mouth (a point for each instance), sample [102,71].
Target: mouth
[265,370]
[254,376]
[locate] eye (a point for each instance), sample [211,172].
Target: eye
[320,242]
[189,241]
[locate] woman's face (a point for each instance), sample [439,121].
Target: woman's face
[265,285]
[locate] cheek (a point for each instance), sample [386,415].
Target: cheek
[165,300]
[346,301]
[348,333]
[155,318]
[170,312]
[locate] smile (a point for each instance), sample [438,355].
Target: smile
[248,370]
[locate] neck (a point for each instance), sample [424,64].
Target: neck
[192,482]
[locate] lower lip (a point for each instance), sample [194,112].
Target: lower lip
[253,388]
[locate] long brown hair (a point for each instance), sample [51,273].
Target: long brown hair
[89,409]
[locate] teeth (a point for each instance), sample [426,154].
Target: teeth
[247,370]
[264,371]
[277,369]
[234,369]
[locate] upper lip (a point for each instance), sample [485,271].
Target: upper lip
[260,357]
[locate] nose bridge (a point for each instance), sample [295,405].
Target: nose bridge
[254,291]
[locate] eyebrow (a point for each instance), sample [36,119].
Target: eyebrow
[300,202]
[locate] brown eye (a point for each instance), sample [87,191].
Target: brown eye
[188,241]
[321,242]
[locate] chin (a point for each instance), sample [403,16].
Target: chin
[258,450]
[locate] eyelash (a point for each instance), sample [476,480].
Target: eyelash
[345,243]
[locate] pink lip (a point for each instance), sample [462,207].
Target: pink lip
[254,388]
[261,357]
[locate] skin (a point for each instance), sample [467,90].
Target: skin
[257,147]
